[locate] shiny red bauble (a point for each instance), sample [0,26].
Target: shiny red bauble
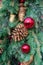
[25,48]
[21,1]
[29,22]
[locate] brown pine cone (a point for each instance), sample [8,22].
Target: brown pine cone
[19,33]
[21,13]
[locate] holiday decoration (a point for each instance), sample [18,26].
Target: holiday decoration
[29,22]
[19,33]
[12,17]
[25,48]
[21,13]
[21,1]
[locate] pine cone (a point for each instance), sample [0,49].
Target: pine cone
[21,13]
[19,33]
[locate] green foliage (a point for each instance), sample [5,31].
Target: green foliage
[34,9]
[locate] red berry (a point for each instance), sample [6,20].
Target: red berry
[21,1]
[29,22]
[25,48]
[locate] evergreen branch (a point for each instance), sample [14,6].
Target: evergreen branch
[37,42]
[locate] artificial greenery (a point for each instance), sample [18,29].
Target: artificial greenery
[34,9]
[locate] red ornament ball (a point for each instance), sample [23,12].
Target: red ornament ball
[21,1]
[25,48]
[29,22]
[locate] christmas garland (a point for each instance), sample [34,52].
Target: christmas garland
[18,32]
